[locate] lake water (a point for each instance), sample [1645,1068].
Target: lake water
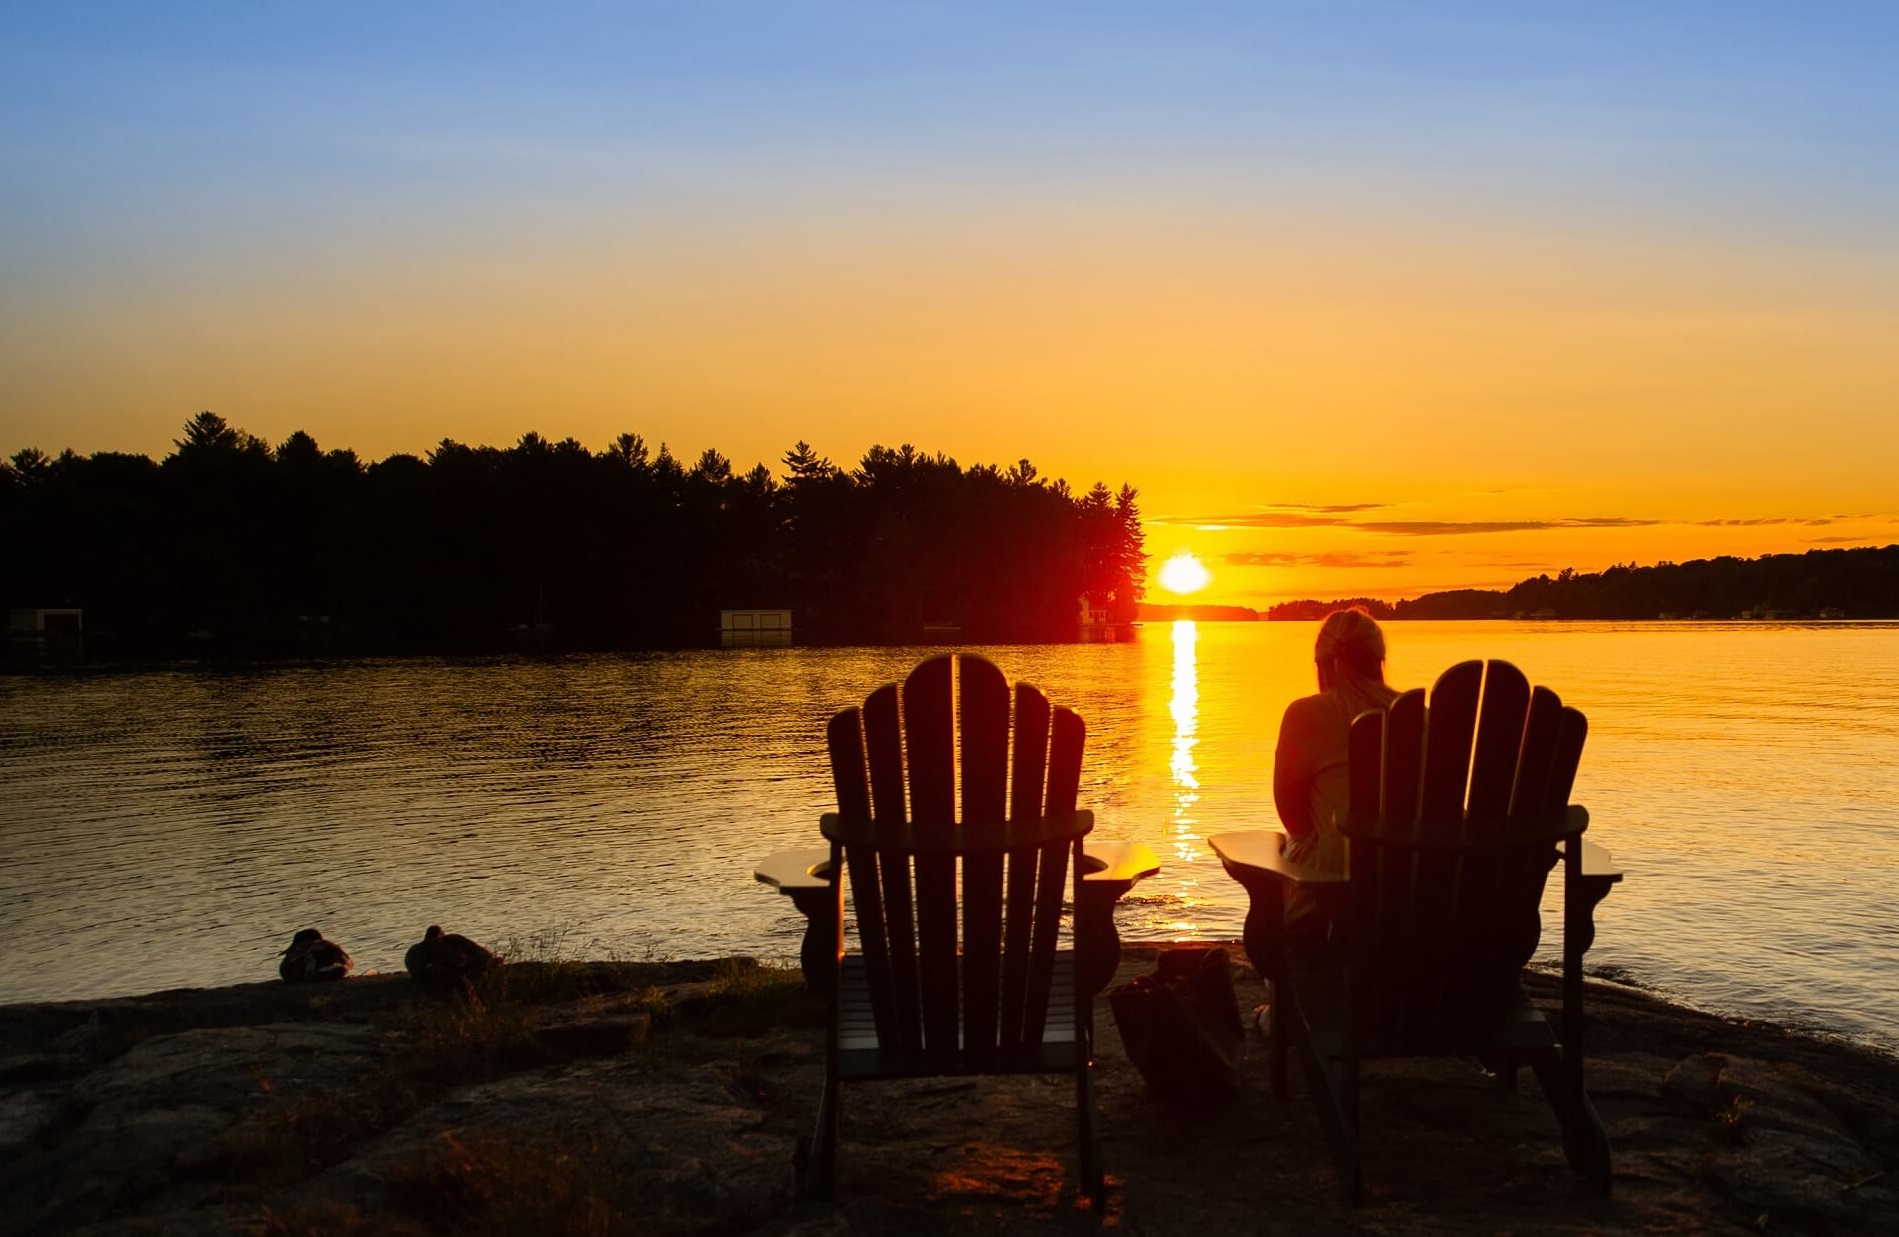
[175,827]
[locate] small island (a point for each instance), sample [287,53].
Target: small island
[674,1098]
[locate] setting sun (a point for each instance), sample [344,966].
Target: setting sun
[1184,573]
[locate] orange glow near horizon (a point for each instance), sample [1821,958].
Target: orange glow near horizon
[1524,414]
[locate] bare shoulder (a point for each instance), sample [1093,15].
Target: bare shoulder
[1304,715]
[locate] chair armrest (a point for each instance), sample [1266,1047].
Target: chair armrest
[1263,850]
[1101,862]
[791,871]
[1598,863]
[1116,862]
[1107,870]
[804,876]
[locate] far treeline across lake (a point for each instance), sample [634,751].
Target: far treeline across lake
[232,547]
[1820,584]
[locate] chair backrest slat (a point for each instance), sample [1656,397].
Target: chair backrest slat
[1489,879]
[1493,769]
[1404,760]
[1436,897]
[1029,776]
[1066,737]
[1453,716]
[1445,898]
[1027,780]
[929,740]
[849,773]
[850,776]
[1365,764]
[1382,878]
[1531,800]
[914,755]
[983,716]
[883,748]
[1541,732]
[1569,745]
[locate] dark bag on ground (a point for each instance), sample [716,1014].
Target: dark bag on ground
[1181,1025]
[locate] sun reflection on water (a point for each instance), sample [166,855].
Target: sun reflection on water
[1184,705]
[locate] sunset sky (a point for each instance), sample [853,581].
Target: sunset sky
[1364,298]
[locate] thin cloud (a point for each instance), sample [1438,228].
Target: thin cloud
[1453,528]
[1330,558]
[1276,515]
[1761,521]
[1343,515]
[1255,519]
[1327,508]
[1457,528]
[1608,521]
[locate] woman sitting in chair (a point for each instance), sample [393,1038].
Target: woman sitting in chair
[1311,787]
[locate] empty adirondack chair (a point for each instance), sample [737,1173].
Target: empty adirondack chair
[921,998]
[1458,812]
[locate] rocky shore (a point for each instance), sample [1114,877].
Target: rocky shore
[595,1098]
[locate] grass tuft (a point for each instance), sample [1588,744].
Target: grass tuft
[292,1137]
[1730,1123]
[747,999]
[333,1219]
[487,1184]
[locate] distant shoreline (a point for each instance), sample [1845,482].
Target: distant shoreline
[1860,584]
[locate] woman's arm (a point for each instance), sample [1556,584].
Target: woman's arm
[1292,774]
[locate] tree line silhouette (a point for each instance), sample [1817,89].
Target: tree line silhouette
[230,545]
[1861,583]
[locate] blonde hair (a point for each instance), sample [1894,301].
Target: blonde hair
[1351,656]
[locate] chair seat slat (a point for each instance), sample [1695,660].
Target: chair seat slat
[857,1027]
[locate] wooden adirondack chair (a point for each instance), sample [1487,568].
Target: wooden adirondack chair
[917,1001]
[1458,813]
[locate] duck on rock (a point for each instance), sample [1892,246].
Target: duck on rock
[446,961]
[312,959]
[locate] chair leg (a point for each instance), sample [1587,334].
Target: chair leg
[1088,1135]
[1548,1068]
[1348,1111]
[820,1174]
[1593,1144]
[1336,1098]
[1585,1139]
[1276,1041]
